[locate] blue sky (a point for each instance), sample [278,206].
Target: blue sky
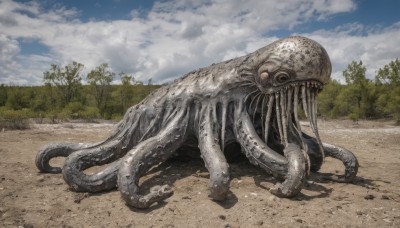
[163,40]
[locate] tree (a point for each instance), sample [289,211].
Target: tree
[354,75]
[389,74]
[326,99]
[67,80]
[100,80]
[3,94]
[388,83]
[126,90]
[358,91]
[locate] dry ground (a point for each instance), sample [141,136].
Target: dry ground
[32,199]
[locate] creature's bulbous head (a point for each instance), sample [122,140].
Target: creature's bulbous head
[290,60]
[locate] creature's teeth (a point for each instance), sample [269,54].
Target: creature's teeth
[304,100]
[314,109]
[278,116]
[224,110]
[295,107]
[284,116]
[268,117]
[310,116]
[256,99]
[289,101]
[263,103]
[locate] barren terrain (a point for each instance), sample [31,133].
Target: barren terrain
[32,199]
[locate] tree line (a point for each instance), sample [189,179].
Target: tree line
[63,95]
[362,98]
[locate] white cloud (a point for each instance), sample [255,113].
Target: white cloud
[375,48]
[177,36]
[9,49]
[19,69]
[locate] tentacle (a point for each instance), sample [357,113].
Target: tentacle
[316,152]
[292,167]
[297,157]
[314,118]
[109,151]
[296,175]
[104,180]
[296,129]
[313,151]
[256,150]
[147,154]
[53,150]
[212,155]
[350,161]
[154,126]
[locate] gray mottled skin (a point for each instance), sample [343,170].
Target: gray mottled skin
[251,100]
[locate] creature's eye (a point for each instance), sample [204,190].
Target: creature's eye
[282,77]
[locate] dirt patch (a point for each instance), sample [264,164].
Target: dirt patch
[31,199]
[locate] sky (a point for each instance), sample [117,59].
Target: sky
[163,40]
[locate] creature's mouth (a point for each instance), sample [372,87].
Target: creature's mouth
[276,115]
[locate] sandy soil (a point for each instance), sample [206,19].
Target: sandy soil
[32,199]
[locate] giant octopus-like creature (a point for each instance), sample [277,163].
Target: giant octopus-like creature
[252,101]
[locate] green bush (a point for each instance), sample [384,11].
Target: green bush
[15,119]
[76,110]
[54,116]
[72,110]
[90,114]
[354,116]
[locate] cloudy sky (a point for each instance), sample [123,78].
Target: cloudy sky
[165,39]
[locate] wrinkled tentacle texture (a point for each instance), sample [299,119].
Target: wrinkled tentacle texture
[252,101]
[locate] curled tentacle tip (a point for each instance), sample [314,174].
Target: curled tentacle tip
[74,187]
[282,191]
[157,194]
[164,191]
[276,189]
